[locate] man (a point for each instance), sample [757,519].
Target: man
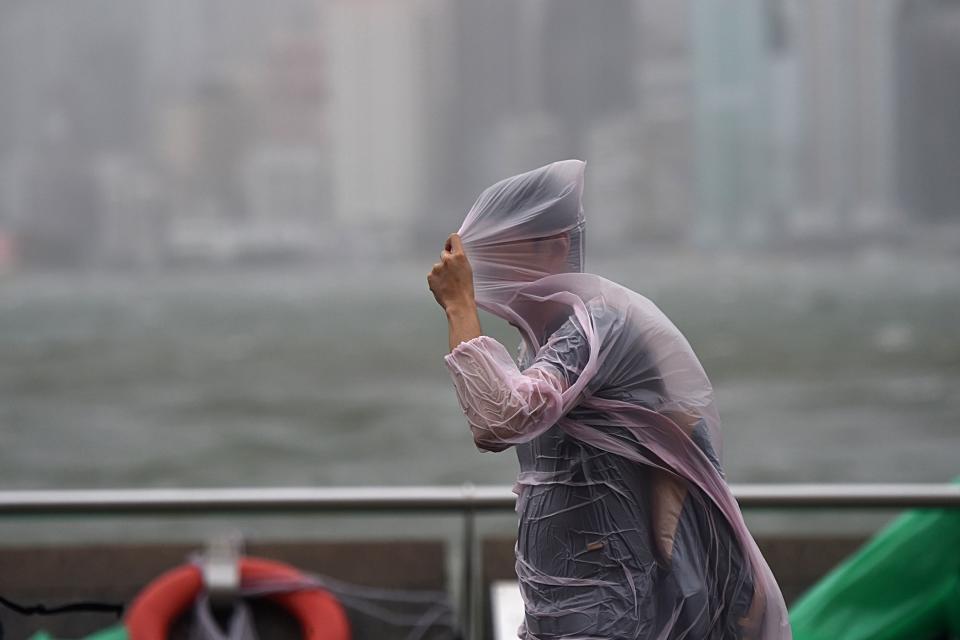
[627,528]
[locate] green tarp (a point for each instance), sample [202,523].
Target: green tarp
[904,584]
[118,632]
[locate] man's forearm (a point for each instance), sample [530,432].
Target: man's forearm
[463,323]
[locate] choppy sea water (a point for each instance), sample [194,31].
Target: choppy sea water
[827,370]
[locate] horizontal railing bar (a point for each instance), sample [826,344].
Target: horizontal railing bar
[847,495]
[433,499]
[259,500]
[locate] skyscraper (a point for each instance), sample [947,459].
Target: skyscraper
[928,108]
[379,108]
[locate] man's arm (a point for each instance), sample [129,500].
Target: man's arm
[503,405]
[463,324]
[511,407]
[451,281]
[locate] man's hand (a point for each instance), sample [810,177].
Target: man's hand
[451,279]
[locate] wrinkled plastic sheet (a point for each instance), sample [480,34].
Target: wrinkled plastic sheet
[627,528]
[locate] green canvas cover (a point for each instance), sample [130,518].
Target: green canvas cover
[904,584]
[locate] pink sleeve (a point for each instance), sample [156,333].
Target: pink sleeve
[503,405]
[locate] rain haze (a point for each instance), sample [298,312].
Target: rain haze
[217,217]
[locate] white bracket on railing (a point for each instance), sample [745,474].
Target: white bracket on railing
[221,568]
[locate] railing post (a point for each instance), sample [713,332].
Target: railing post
[469,619]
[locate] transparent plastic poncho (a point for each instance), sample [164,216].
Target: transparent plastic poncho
[627,528]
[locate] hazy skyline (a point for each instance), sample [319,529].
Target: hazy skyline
[146,134]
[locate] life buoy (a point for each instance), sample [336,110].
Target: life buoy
[160,603]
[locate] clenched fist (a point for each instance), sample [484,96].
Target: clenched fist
[451,279]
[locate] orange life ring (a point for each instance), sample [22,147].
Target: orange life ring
[160,603]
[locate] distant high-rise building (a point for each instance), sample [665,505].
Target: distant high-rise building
[72,93]
[795,119]
[663,142]
[133,229]
[379,109]
[846,59]
[484,99]
[288,185]
[731,122]
[587,67]
[928,108]
[614,202]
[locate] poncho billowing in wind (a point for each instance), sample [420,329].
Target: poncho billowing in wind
[627,528]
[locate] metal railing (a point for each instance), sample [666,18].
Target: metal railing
[431,499]
[467,500]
